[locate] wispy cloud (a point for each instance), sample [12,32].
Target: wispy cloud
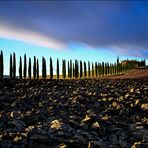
[31,37]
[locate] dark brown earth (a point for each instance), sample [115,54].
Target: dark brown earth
[106,113]
[132,74]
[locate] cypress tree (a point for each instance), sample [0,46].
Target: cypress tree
[14,66]
[37,69]
[118,67]
[92,69]
[51,69]
[121,68]
[64,68]
[29,68]
[76,69]
[81,69]
[34,68]
[45,72]
[57,68]
[103,68]
[96,69]
[85,74]
[144,63]
[73,70]
[88,68]
[110,69]
[115,68]
[10,65]
[43,68]
[107,68]
[1,65]
[25,66]
[70,68]
[20,68]
[99,69]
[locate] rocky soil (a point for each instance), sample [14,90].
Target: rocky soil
[74,113]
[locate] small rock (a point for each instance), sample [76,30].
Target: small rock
[105,118]
[137,101]
[95,144]
[95,125]
[55,124]
[17,138]
[62,146]
[139,145]
[144,106]
[85,119]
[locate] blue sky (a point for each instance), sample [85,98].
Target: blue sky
[86,30]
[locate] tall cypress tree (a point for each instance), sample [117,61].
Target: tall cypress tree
[37,69]
[34,68]
[108,68]
[14,66]
[29,68]
[57,68]
[45,72]
[64,68]
[51,69]
[1,65]
[103,68]
[25,66]
[81,69]
[10,65]
[88,68]
[85,73]
[115,68]
[96,69]
[43,68]
[76,69]
[73,70]
[118,66]
[20,68]
[70,69]
[99,69]
[92,69]
[121,68]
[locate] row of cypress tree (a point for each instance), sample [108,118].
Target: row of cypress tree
[78,69]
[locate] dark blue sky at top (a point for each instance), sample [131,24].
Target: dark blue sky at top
[121,24]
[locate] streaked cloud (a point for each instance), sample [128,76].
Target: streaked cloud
[27,36]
